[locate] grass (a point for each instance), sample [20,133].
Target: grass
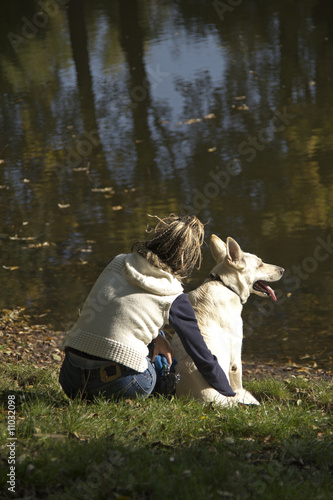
[167,449]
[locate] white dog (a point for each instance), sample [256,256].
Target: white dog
[218,305]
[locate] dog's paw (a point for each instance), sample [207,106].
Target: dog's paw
[244,397]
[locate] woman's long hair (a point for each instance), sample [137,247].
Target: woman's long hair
[174,244]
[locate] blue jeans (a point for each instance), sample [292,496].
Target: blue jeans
[110,380]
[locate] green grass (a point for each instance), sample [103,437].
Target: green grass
[167,449]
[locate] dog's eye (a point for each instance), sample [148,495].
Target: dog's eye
[260,264]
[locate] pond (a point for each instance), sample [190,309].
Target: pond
[114,110]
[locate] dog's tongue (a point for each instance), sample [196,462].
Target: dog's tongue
[271,292]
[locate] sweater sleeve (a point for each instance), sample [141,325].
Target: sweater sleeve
[182,319]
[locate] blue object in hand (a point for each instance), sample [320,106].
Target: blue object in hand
[162,366]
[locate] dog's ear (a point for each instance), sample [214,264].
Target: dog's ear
[217,248]
[234,253]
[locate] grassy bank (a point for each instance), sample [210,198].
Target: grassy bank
[164,449]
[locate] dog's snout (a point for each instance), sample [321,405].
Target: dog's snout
[281,270]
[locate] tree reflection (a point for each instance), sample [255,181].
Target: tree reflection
[89,70]
[79,44]
[132,41]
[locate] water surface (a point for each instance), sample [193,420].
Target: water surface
[112,110]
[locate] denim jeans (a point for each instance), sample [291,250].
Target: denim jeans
[108,379]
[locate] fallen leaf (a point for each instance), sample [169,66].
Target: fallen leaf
[39,245]
[193,120]
[81,169]
[244,107]
[16,238]
[66,205]
[103,190]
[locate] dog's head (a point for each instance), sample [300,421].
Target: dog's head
[244,272]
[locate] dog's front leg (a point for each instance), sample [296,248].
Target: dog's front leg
[235,376]
[235,369]
[236,382]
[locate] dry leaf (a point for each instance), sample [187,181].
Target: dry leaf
[103,190]
[39,245]
[244,107]
[193,120]
[16,238]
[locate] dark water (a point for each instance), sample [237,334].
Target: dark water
[112,110]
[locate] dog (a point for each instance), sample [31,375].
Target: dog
[218,305]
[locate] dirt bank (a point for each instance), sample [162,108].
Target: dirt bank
[24,342]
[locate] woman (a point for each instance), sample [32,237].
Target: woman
[111,348]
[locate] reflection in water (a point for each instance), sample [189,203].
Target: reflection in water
[118,109]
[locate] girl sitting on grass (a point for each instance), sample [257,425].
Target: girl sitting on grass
[111,349]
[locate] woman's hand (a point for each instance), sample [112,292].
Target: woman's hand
[162,346]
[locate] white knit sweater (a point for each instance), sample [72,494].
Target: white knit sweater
[125,310]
